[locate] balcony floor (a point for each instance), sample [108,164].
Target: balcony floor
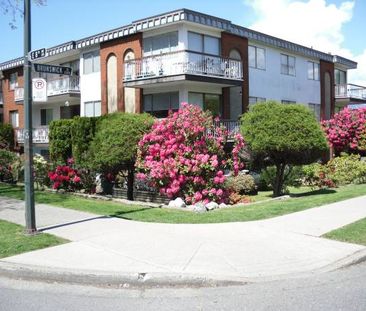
[177,79]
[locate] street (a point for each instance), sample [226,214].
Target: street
[344,289]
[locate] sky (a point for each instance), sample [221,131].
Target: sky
[335,26]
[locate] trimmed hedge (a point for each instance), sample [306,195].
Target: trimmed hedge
[6,136]
[60,140]
[116,138]
[82,134]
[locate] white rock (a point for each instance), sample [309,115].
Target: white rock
[177,203]
[212,205]
[223,205]
[199,208]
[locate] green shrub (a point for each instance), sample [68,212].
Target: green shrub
[82,134]
[282,136]
[60,140]
[241,184]
[346,169]
[6,160]
[6,136]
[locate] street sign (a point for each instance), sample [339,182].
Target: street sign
[59,70]
[39,90]
[36,54]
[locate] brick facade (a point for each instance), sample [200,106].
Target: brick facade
[8,96]
[119,47]
[231,42]
[326,67]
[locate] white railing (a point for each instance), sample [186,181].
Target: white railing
[57,86]
[350,91]
[18,94]
[182,62]
[63,85]
[40,135]
[231,127]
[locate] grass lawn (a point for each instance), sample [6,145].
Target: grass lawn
[352,233]
[301,199]
[13,241]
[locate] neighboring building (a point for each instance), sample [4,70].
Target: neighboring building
[154,64]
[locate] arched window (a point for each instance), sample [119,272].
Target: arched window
[130,93]
[112,83]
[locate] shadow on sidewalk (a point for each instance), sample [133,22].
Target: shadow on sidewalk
[72,223]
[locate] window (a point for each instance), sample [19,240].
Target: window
[91,62]
[316,109]
[211,102]
[203,43]
[313,71]
[253,100]
[14,118]
[340,76]
[161,44]
[257,58]
[13,81]
[46,116]
[92,109]
[288,102]
[288,65]
[159,104]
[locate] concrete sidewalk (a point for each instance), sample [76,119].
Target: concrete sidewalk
[103,246]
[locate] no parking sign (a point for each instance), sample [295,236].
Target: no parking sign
[39,90]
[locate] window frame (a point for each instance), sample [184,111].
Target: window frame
[94,66]
[202,38]
[256,57]
[257,100]
[312,106]
[288,102]
[93,102]
[171,107]
[287,65]
[149,41]
[313,77]
[16,113]
[47,122]
[13,85]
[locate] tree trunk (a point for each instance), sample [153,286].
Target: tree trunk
[130,182]
[277,187]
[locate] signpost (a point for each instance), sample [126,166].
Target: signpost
[39,90]
[37,54]
[60,70]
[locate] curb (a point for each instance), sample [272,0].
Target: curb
[141,279]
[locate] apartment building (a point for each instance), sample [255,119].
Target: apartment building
[154,64]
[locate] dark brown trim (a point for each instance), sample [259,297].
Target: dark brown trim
[326,67]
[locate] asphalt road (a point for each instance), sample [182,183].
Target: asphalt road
[339,290]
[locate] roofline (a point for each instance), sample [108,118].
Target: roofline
[188,16]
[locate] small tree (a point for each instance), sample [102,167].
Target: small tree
[6,136]
[346,131]
[114,146]
[282,135]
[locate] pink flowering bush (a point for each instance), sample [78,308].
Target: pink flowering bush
[347,130]
[183,155]
[65,177]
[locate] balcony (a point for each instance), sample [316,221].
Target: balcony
[182,63]
[40,135]
[350,91]
[59,86]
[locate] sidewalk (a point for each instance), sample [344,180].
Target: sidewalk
[104,247]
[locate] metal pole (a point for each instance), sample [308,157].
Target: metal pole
[30,217]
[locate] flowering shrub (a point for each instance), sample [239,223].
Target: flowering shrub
[347,130]
[40,169]
[183,155]
[65,177]
[6,160]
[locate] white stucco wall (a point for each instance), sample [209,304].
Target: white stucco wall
[90,85]
[271,84]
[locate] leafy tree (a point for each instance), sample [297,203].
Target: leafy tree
[282,135]
[114,146]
